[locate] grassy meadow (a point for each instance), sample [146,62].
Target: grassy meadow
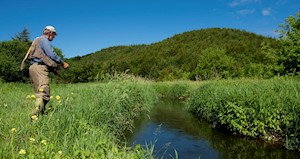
[82,121]
[88,120]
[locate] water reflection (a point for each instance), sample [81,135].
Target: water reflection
[171,128]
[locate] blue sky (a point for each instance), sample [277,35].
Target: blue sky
[87,26]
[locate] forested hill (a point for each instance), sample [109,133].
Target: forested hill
[213,53]
[195,55]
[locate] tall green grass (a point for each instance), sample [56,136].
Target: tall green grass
[256,108]
[82,121]
[176,90]
[88,120]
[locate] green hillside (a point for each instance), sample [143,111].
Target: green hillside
[195,55]
[213,53]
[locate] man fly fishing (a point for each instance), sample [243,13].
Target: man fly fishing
[43,60]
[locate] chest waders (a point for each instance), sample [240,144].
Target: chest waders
[39,74]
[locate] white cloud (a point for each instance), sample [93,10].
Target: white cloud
[266,11]
[281,2]
[246,11]
[242,2]
[233,4]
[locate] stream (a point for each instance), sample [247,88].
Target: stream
[171,130]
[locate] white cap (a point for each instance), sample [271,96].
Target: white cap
[50,28]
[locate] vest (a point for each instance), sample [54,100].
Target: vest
[37,52]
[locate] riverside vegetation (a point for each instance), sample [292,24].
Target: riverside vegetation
[256,108]
[267,109]
[82,121]
[88,120]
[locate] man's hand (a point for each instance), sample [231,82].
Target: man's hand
[65,65]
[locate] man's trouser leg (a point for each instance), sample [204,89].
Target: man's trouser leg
[39,75]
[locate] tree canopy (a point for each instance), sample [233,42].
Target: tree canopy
[290,45]
[195,55]
[24,36]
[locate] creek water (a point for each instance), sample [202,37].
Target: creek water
[169,127]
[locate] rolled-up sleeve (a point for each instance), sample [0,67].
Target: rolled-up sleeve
[49,51]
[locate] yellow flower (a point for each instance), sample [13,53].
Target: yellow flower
[28,97]
[32,140]
[33,96]
[13,130]
[60,153]
[22,152]
[44,142]
[34,117]
[51,97]
[57,97]
[41,90]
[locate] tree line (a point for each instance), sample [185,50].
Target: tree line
[213,53]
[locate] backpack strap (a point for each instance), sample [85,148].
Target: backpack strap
[26,56]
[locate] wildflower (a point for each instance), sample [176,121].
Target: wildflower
[41,90]
[28,97]
[33,96]
[60,153]
[5,105]
[44,142]
[34,117]
[22,152]
[13,130]
[57,97]
[32,140]
[51,97]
